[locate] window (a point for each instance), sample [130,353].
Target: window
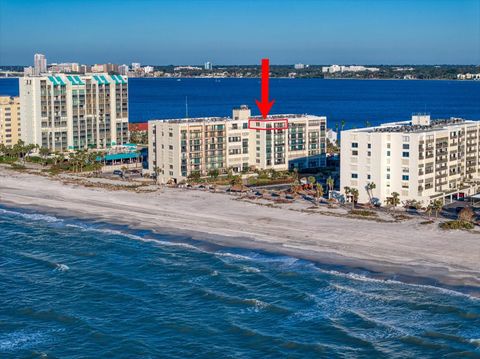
[369,177]
[354,153]
[354,175]
[369,145]
[354,144]
[405,154]
[388,145]
[388,153]
[406,146]
[405,178]
[406,138]
[369,153]
[388,175]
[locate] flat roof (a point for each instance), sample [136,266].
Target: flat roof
[220,119]
[408,127]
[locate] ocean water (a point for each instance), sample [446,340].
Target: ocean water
[355,101]
[79,289]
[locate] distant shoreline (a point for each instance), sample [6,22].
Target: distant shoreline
[282,78]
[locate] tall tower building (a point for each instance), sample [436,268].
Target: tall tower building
[40,64]
[72,112]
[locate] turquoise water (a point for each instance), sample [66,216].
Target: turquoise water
[355,101]
[78,289]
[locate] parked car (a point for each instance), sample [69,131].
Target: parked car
[118,173]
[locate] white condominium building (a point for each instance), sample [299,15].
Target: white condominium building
[178,148]
[71,112]
[421,159]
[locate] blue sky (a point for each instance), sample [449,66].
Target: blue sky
[241,32]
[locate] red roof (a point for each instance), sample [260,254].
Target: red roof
[139,126]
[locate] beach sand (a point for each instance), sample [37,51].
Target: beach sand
[404,249]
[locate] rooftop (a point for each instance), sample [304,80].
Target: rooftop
[411,127]
[221,119]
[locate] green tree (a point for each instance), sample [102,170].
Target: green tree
[319,192]
[354,193]
[194,176]
[44,152]
[213,173]
[330,185]
[370,187]
[236,180]
[395,199]
[436,206]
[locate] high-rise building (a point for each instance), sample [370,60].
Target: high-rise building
[111,68]
[299,66]
[123,69]
[71,112]
[148,69]
[135,66]
[208,66]
[9,120]
[98,68]
[177,148]
[40,64]
[421,159]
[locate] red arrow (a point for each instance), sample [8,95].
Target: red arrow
[265,105]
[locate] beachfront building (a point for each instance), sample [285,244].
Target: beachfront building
[71,112]
[421,159]
[9,120]
[178,148]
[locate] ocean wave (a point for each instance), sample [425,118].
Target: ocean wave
[256,305]
[115,232]
[22,339]
[32,216]
[62,267]
[365,278]
[475,342]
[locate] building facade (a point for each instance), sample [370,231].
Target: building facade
[178,148]
[10,128]
[71,112]
[39,64]
[420,159]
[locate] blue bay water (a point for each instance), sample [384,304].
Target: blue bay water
[355,101]
[79,289]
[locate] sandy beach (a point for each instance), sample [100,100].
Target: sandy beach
[407,248]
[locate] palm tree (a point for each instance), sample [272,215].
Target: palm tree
[348,192]
[370,187]
[354,193]
[312,180]
[330,185]
[437,206]
[395,199]
[44,152]
[157,174]
[319,191]
[236,180]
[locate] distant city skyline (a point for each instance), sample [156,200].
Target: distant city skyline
[241,32]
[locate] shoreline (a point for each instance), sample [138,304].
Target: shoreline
[207,217]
